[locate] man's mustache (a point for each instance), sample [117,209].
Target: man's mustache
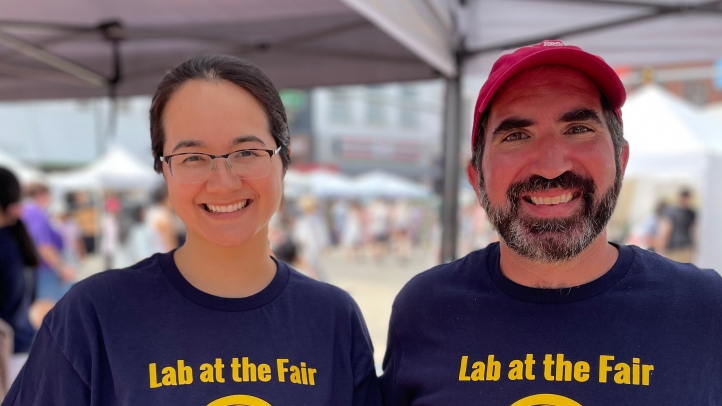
[536,183]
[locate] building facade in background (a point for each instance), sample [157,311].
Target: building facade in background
[392,127]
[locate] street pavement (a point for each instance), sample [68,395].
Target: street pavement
[374,286]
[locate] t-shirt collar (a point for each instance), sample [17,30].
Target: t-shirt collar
[563,295]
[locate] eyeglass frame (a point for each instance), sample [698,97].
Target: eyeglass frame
[166,158]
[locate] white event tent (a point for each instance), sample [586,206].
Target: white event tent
[25,173]
[116,170]
[672,140]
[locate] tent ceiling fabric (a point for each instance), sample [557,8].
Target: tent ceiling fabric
[297,43]
[624,32]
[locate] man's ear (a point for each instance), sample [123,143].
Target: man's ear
[473,177]
[625,156]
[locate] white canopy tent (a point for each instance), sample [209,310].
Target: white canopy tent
[116,170]
[671,140]
[333,185]
[714,111]
[388,185]
[319,183]
[25,173]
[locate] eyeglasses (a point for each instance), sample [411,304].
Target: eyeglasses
[196,167]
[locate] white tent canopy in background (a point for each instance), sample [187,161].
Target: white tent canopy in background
[116,170]
[387,185]
[333,185]
[25,173]
[714,111]
[670,139]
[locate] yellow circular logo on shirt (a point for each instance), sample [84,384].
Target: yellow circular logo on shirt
[546,399]
[239,400]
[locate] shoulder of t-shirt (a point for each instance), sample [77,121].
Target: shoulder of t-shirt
[100,291]
[312,290]
[678,279]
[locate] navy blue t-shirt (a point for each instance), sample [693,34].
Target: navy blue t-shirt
[14,295]
[648,332]
[145,336]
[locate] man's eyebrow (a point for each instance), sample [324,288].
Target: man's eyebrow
[511,123]
[188,144]
[247,138]
[581,115]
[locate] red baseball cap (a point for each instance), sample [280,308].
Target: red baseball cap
[549,52]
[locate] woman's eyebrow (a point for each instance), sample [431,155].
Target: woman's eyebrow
[188,144]
[247,138]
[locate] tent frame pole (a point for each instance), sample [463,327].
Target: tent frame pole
[451,164]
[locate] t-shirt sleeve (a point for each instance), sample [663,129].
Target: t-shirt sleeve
[48,377]
[393,394]
[366,390]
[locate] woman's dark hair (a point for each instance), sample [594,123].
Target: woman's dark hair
[216,68]
[10,193]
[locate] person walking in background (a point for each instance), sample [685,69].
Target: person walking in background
[217,321]
[676,230]
[159,217]
[311,236]
[55,275]
[401,230]
[17,253]
[646,234]
[378,218]
[86,216]
[352,236]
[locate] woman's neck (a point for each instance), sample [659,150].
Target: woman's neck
[233,272]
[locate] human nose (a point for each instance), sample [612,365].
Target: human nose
[222,177]
[552,157]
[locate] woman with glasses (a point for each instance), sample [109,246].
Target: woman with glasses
[218,321]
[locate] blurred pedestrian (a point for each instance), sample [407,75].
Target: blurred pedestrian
[352,234]
[73,246]
[110,230]
[17,252]
[311,235]
[55,275]
[378,217]
[86,216]
[218,315]
[646,234]
[401,229]
[676,230]
[142,241]
[159,217]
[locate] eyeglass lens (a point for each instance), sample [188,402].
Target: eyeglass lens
[194,168]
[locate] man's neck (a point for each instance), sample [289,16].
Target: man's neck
[233,272]
[591,264]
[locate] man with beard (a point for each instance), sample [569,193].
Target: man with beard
[554,314]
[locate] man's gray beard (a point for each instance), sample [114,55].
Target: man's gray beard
[552,240]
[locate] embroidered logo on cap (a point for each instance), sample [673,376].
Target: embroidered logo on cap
[552,44]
